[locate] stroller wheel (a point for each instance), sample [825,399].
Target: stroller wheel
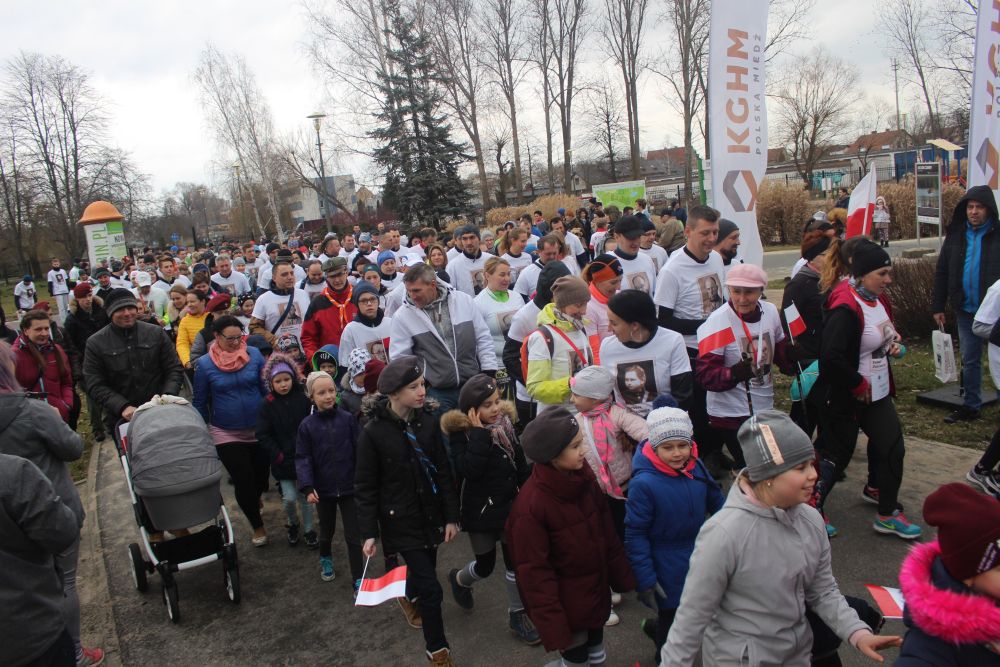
[232,577]
[138,568]
[170,599]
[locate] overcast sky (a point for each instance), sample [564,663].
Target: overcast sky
[141,56]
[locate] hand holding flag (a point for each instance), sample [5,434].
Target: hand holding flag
[387,587]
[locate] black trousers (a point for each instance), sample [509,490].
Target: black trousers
[991,457]
[249,470]
[617,508]
[698,411]
[838,440]
[327,510]
[581,653]
[60,654]
[664,619]
[422,584]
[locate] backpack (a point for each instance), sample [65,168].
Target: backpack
[547,335]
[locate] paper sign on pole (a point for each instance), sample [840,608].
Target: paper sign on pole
[738,115]
[984,124]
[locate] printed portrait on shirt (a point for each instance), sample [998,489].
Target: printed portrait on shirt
[748,347]
[504,320]
[478,278]
[888,338]
[376,348]
[636,381]
[711,293]
[639,281]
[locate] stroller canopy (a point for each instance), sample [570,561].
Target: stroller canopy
[171,451]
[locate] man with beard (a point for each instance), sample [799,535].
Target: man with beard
[728,244]
[467,268]
[330,310]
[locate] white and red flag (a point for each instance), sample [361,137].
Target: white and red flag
[714,341]
[390,585]
[796,325]
[889,600]
[862,206]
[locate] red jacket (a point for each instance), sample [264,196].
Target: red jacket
[566,553]
[326,318]
[57,385]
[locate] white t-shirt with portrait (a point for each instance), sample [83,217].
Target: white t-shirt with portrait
[373,339]
[876,337]
[24,295]
[498,315]
[516,264]
[642,374]
[638,273]
[657,254]
[269,307]
[235,284]
[59,280]
[468,275]
[692,289]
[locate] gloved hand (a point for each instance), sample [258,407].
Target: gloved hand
[649,596]
[742,371]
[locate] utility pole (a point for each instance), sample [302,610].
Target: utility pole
[895,77]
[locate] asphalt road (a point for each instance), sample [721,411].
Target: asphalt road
[779,264]
[290,617]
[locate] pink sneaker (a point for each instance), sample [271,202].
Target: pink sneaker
[91,657]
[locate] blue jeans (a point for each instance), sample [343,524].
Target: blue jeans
[289,495]
[971,348]
[448,400]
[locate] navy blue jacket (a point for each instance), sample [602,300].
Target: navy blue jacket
[278,421]
[326,453]
[229,400]
[662,519]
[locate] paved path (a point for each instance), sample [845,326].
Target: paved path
[779,264]
[289,616]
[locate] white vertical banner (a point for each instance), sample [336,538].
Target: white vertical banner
[738,115]
[984,118]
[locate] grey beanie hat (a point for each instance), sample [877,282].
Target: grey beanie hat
[666,424]
[595,382]
[548,434]
[772,443]
[117,299]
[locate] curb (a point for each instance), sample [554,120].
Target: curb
[97,612]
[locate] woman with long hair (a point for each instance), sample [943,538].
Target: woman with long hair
[437,257]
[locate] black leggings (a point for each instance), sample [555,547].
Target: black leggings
[422,583]
[991,457]
[486,562]
[250,471]
[327,510]
[617,508]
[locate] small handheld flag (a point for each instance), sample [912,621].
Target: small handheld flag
[796,325]
[713,342]
[889,600]
[387,587]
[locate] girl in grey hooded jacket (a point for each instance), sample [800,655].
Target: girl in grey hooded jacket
[760,560]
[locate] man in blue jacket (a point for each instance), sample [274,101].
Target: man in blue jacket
[968,264]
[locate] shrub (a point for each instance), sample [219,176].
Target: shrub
[549,205]
[782,211]
[910,291]
[901,198]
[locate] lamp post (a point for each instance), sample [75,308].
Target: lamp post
[317,119]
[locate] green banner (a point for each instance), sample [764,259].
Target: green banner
[620,194]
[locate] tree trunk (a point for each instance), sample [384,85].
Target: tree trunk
[548,139]
[518,182]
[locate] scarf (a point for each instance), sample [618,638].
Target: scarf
[479,253]
[370,321]
[578,323]
[650,453]
[504,437]
[862,292]
[500,296]
[603,438]
[341,305]
[229,362]
[386,276]
[596,294]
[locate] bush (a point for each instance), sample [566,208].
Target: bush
[910,291]
[549,205]
[782,211]
[901,198]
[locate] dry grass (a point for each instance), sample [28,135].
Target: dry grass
[549,205]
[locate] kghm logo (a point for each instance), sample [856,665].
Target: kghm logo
[987,156]
[743,110]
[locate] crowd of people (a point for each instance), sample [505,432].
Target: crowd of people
[574,393]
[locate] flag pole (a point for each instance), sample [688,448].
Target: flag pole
[746,384]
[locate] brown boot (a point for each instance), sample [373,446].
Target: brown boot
[412,614]
[441,657]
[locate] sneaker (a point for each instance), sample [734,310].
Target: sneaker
[293,534]
[987,481]
[612,619]
[441,658]
[312,542]
[898,525]
[412,614]
[326,568]
[831,530]
[616,599]
[963,414]
[522,627]
[91,657]
[259,537]
[649,627]
[870,494]
[462,594]
[99,437]
[357,587]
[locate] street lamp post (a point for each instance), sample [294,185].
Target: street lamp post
[317,119]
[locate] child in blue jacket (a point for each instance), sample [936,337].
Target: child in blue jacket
[670,496]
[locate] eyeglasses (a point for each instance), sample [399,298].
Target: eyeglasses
[233,339]
[368,301]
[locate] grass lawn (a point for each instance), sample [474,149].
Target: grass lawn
[915,374]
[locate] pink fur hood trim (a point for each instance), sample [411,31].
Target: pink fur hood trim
[958,618]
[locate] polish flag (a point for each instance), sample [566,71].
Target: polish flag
[387,587]
[862,206]
[889,600]
[796,325]
[713,342]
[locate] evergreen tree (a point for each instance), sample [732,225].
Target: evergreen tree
[418,155]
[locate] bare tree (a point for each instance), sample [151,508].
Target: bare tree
[684,70]
[786,24]
[503,26]
[872,117]
[498,138]
[542,55]
[458,47]
[604,125]
[957,37]
[906,25]
[241,120]
[563,26]
[815,101]
[626,19]
[302,163]
[16,191]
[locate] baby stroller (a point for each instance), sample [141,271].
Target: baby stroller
[173,472]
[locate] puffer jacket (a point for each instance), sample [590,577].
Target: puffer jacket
[397,496]
[948,625]
[55,384]
[488,479]
[324,321]
[662,518]
[326,453]
[951,261]
[566,553]
[278,420]
[124,367]
[229,400]
[29,429]
[80,324]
